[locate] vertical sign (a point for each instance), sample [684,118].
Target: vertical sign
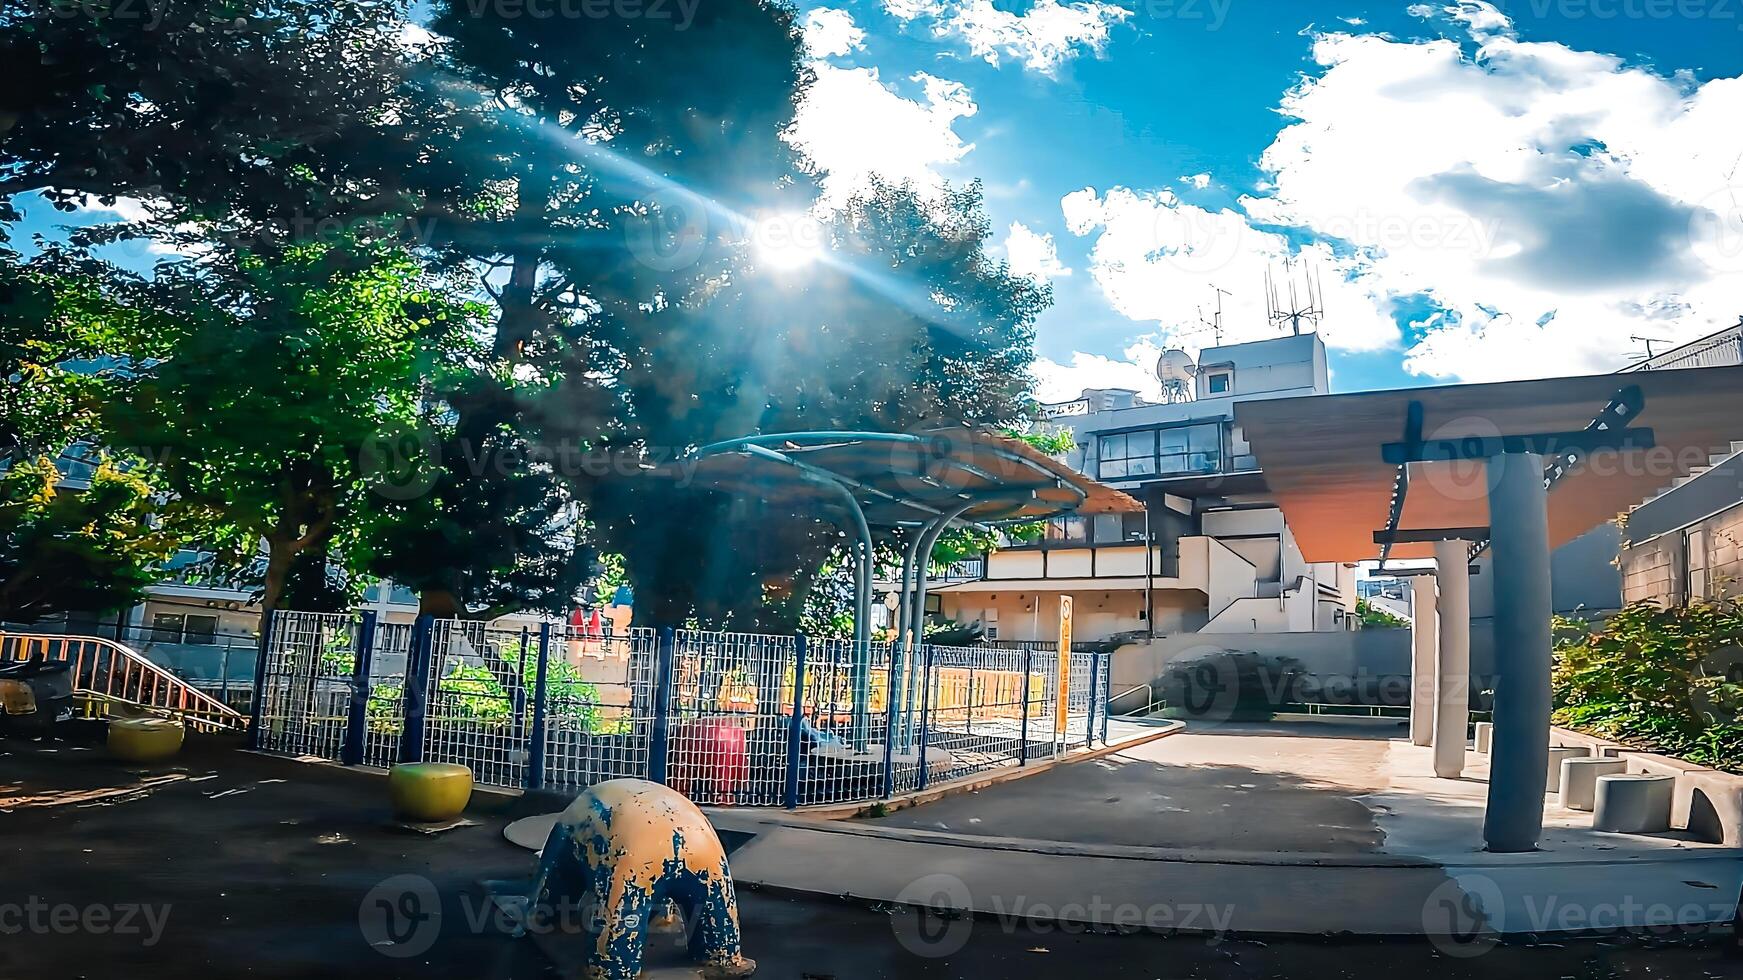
[1059,715]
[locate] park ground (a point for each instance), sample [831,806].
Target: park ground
[241,865]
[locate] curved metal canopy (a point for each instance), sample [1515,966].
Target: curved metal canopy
[905,479]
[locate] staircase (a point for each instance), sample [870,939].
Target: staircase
[111,678]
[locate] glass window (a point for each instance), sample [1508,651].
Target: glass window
[1113,447]
[166,628]
[1219,383]
[1067,530]
[201,629]
[1109,528]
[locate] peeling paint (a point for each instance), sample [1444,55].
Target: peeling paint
[638,847]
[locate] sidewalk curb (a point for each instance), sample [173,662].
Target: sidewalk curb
[846,811]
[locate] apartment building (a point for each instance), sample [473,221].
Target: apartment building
[1211,552]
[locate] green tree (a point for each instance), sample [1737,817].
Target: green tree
[91,548]
[909,325]
[264,381]
[239,120]
[1373,617]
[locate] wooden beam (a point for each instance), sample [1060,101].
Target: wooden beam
[1418,535]
[1543,443]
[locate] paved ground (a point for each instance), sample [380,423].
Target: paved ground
[261,867]
[1229,787]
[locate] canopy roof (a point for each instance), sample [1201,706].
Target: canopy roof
[1322,454]
[904,478]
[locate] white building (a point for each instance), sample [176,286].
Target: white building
[1220,557]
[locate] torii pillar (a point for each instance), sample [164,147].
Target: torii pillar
[1452,676]
[1424,645]
[1519,761]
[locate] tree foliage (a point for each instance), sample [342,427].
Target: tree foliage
[1650,676]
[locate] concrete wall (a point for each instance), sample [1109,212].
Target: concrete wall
[1368,660]
[1699,561]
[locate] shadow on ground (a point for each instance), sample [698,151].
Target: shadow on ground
[266,867]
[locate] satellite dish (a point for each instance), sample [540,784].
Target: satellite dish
[1175,369]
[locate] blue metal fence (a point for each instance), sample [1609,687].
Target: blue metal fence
[726,718]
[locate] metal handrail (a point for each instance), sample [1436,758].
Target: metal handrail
[107,672]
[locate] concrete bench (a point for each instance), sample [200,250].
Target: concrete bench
[1557,753]
[1713,806]
[1579,779]
[1485,736]
[1633,803]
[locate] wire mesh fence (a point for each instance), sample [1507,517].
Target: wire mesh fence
[307,668]
[729,719]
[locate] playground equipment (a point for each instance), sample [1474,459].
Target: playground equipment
[429,792]
[635,847]
[145,739]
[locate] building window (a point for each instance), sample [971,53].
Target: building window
[1219,383]
[1190,449]
[177,628]
[1127,455]
[1071,529]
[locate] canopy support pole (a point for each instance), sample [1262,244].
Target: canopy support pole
[1519,766]
[1452,693]
[1423,646]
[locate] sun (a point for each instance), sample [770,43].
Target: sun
[786,242]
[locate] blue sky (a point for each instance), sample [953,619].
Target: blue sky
[1486,192]
[1483,192]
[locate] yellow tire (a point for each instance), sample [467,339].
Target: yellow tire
[145,739]
[429,791]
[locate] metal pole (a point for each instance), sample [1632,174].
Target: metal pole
[1149,571]
[1107,695]
[925,710]
[258,707]
[664,654]
[1023,732]
[1094,682]
[518,698]
[795,724]
[1519,756]
[922,566]
[357,720]
[417,681]
[1452,691]
[1424,646]
[541,709]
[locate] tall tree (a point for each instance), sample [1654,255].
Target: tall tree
[269,378]
[906,324]
[77,532]
[254,120]
[604,162]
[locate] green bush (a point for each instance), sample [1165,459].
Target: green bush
[1647,677]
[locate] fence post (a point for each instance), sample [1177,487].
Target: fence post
[257,708]
[1023,734]
[536,741]
[357,719]
[1094,682]
[925,711]
[518,697]
[1107,697]
[890,718]
[417,687]
[795,724]
[665,651]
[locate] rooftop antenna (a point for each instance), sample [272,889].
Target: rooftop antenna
[1297,305]
[1215,323]
[1649,341]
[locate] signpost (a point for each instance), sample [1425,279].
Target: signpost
[1060,714]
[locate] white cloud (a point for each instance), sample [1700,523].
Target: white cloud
[1199,181]
[852,126]
[1033,254]
[831,33]
[1044,37]
[1547,202]
[1157,258]
[1552,201]
[1135,370]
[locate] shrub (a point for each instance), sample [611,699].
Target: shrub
[1648,677]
